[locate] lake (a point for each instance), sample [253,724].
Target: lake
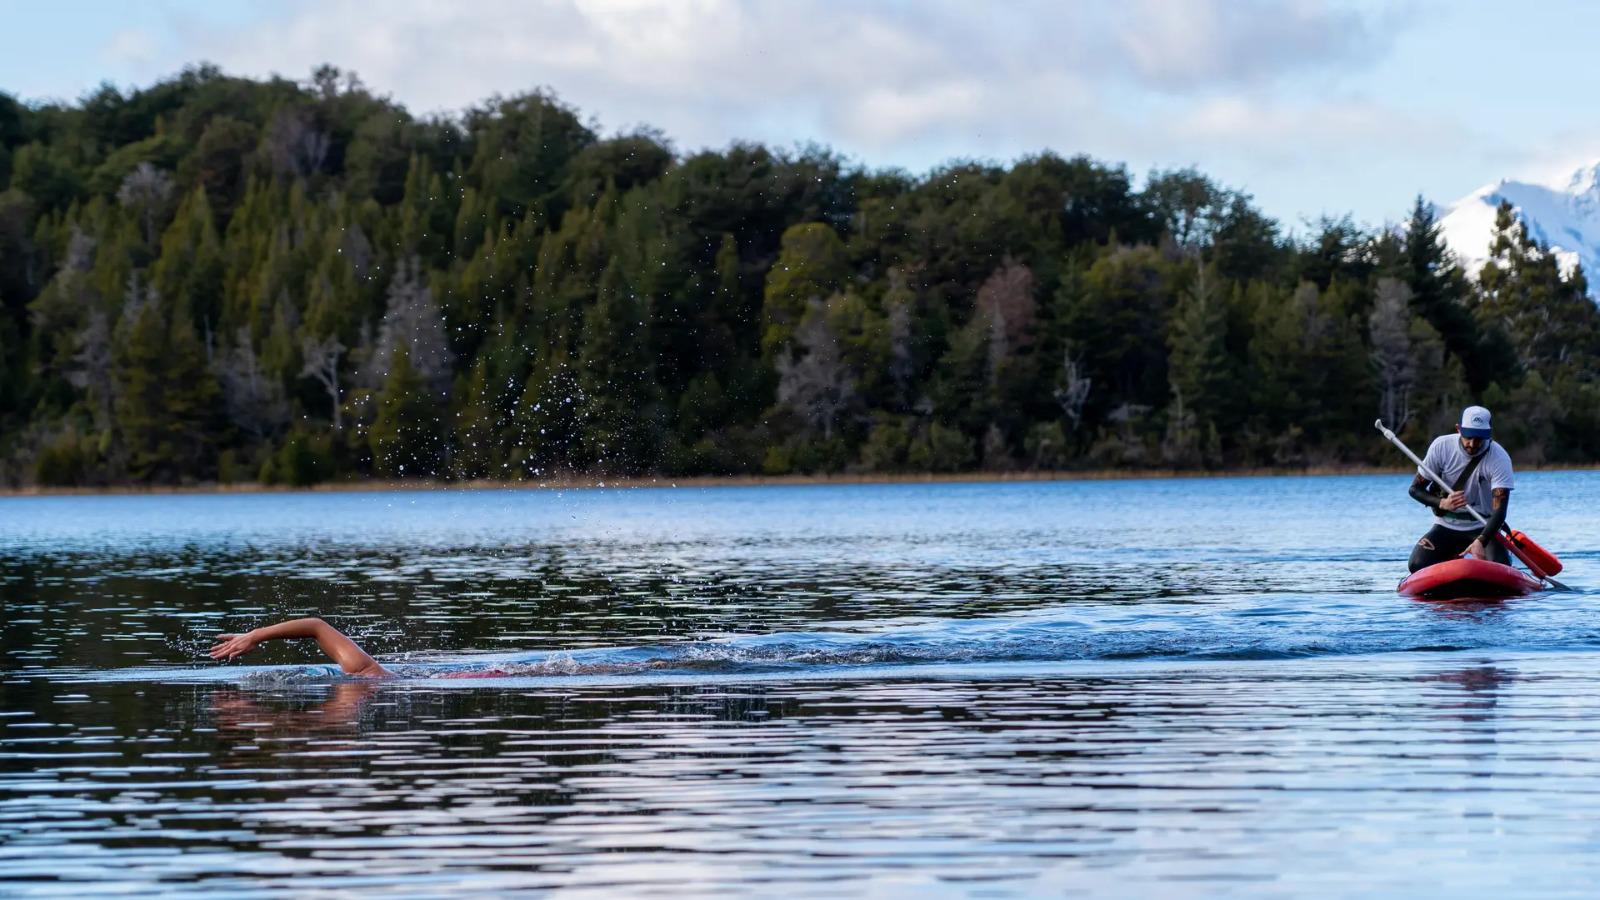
[1140,687]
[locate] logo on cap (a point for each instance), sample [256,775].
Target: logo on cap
[1475,422]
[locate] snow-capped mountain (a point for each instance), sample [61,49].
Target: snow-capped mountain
[1565,215]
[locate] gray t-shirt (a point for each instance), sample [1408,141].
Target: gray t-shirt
[1446,458]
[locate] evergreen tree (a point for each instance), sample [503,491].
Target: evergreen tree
[1547,315]
[1115,315]
[165,396]
[182,268]
[1440,294]
[475,449]
[810,268]
[1200,374]
[404,436]
[1309,372]
[189,272]
[620,433]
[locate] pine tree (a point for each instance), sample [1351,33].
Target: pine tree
[165,404]
[404,435]
[1114,317]
[603,305]
[1440,293]
[1309,372]
[476,450]
[189,273]
[959,395]
[1547,315]
[811,266]
[733,330]
[620,433]
[1199,371]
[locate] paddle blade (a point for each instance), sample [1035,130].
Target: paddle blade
[1534,554]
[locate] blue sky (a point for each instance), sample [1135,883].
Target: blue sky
[1313,106]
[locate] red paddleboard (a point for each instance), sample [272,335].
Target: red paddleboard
[1468,577]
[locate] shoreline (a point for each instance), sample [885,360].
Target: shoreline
[579,481]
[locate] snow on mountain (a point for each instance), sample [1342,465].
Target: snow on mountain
[1565,215]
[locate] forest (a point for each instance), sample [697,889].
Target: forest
[217,279]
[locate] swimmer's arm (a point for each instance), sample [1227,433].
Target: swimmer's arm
[348,654]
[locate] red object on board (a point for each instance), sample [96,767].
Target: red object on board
[1468,578]
[1534,555]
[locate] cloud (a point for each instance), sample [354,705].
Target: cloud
[1182,45]
[131,47]
[1339,121]
[879,73]
[885,115]
[1553,161]
[895,82]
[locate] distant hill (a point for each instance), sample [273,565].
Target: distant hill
[1565,215]
[218,279]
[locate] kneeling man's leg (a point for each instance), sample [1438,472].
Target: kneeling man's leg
[1438,545]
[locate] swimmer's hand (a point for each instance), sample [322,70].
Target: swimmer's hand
[351,658]
[232,645]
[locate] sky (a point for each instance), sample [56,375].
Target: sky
[1314,107]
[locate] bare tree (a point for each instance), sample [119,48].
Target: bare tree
[1181,445]
[134,298]
[1123,444]
[1073,391]
[147,193]
[330,83]
[1006,300]
[1396,367]
[356,250]
[63,307]
[253,399]
[91,370]
[901,361]
[817,385]
[1316,326]
[80,251]
[996,452]
[1191,206]
[413,319]
[295,145]
[322,363]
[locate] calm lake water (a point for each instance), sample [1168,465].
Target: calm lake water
[1120,688]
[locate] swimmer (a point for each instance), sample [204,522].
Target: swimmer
[355,661]
[348,654]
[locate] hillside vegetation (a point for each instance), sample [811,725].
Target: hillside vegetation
[224,279]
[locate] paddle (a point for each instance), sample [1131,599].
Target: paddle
[1514,546]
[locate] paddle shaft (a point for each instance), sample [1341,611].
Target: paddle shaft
[1423,468]
[1434,477]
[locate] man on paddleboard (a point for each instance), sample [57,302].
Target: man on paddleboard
[1479,471]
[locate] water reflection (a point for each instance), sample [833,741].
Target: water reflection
[1127,780]
[1115,689]
[1478,681]
[249,715]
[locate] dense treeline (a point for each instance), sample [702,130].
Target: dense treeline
[220,278]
